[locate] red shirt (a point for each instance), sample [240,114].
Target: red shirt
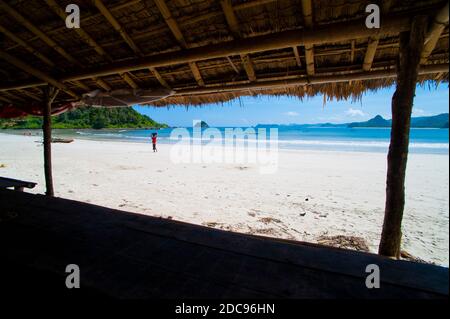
[154,139]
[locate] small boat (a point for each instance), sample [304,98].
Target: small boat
[62,140]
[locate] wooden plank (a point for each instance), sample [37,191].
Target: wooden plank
[9,182]
[125,255]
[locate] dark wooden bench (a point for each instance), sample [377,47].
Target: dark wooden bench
[16,184]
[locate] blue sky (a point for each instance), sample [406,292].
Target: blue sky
[283,110]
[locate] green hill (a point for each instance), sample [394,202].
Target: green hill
[94,118]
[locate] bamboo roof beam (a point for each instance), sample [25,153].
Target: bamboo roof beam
[116,25]
[175,29]
[4,99]
[35,72]
[85,18]
[434,32]
[82,34]
[101,83]
[88,39]
[31,95]
[41,35]
[34,52]
[233,24]
[81,85]
[297,57]
[317,79]
[372,46]
[309,48]
[29,48]
[232,65]
[14,97]
[285,39]
[159,77]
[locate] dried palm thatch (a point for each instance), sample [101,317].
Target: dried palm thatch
[210,51]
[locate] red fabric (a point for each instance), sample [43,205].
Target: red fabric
[10,111]
[154,139]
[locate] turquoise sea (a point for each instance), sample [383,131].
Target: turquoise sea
[429,141]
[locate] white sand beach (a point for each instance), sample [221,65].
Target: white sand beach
[312,194]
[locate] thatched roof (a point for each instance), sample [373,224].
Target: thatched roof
[210,50]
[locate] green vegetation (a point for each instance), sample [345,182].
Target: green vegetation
[93,118]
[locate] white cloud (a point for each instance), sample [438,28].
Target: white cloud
[418,111]
[291,113]
[354,112]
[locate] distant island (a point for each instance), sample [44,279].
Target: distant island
[437,121]
[201,124]
[87,118]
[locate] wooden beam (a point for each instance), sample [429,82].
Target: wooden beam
[126,77]
[4,99]
[411,46]
[370,53]
[352,52]
[31,95]
[233,24]
[170,21]
[307,10]
[297,56]
[35,72]
[159,77]
[81,85]
[232,64]
[50,94]
[84,18]
[437,27]
[175,29]
[101,83]
[196,72]
[29,48]
[339,32]
[30,26]
[81,33]
[116,25]
[374,41]
[295,82]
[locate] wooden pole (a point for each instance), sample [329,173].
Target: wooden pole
[411,46]
[49,96]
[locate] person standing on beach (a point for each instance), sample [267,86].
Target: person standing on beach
[154,136]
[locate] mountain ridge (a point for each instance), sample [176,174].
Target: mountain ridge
[440,121]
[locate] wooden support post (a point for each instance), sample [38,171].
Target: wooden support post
[49,96]
[411,46]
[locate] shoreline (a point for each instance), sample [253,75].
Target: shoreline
[314,193]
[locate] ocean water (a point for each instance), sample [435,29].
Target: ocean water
[428,141]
